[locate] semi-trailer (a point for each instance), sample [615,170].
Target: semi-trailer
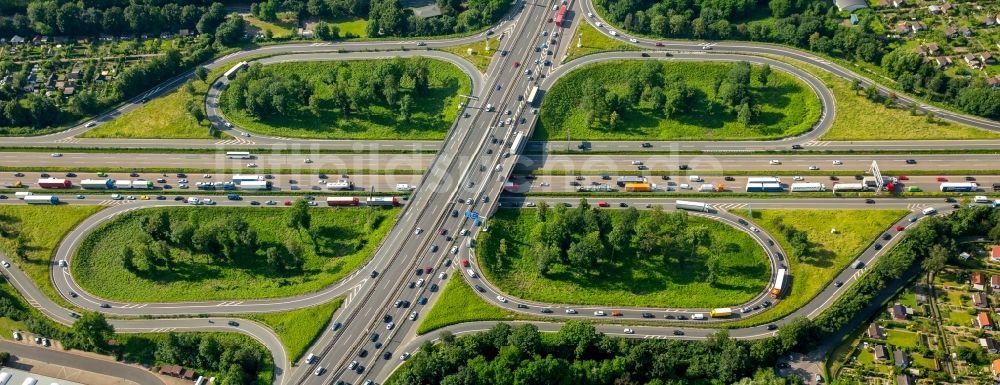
[231,72]
[849,187]
[382,201]
[142,184]
[623,180]
[693,206]
[808,187]
[123,184]
[41,199]
[22,194]
[54,183]
[763,179]
[764,187]
[97,183]
[342,184]
[237,179]
[637,187]
[254,185]
[779,283]
[959,186]
[721,312]
[515,145]
[342,201]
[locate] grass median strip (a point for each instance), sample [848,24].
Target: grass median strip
[458,303]
[475,52]
[816,253]
[29,235]
[297,329]
[592,41]
[188,253]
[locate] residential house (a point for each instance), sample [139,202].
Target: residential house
[995,249]
[996,369]
[900,358]
[978,279]
[979,300]
[987,57]
[920,51]
[983,321]
[850,5]
[950,32]
[989,344]
[964,256]
[904,379]
[904,27]
[854,19]
[935,9]
[898,312]
[945,8]
[965,31]
[881,353]
[993,81]
[891,3]
[17,40]
[177,371]
[989,20]
[876,332]
[920,298]
[933,49]
[995,278]
[68,91]
[917,27]
[184,32]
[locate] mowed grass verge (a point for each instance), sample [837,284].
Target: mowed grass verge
[457,304]
[298,328]
[856,229]
[479,57]
[592,41]
[786,106]
[743,270]
[164,117]
[431,117]
[32,234]
[858,118]
[336,243]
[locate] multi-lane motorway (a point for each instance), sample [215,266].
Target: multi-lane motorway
[469,163]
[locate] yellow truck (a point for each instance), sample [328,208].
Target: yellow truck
[721,312]
[637,187]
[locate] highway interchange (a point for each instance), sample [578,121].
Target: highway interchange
[454,172]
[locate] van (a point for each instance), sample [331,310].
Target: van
[310,358]
[981,199]
[471,243]
[194,201]
[17,336]
[471,273]
[698,316]
[930,211]
[858,264]
[694,178]
[22,194]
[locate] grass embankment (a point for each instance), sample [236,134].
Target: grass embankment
[297,329]
[786,106]
[627,279]
[335,244]
[859,118]
[279,29]
[351,28]
[593,41]
[31,235]
[165,117]
[432,113]
[458,303]
[480,57]
[856,229]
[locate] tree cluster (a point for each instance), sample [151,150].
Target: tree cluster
[394,84]
[390,18]
[112,17]
[797,239]
[579,355]
[237,363]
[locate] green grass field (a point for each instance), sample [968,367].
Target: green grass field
[36,232]
[342,243]
[278,29]
[432,114]
[787,107]
[628,281]
[856,229]
[457,304]
[355,27]
[297,329]
[593,41]
[858,118]
[480,57]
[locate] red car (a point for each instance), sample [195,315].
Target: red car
[942,179]
[288,203]
[603,204]
[427,270]
[659,44]
[465,263]
[899,228]
[443,231]
[517,64]
[903,177]
[616,313]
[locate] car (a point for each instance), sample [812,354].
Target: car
[404,356]
[390,325]
[869,200]
[770,242]
[336,326]
[373,274]
[44,175]
[766,303]
[886,236]
[522,306]
[413,316]
[465,263]
[546,310]
[970,178]
[622,204]
[942,179]
[363,353]
[55,155]
[644,54]
[434,248]
[442,275]
[678,332]
[899,228]
[421,44]
[646,145]
[629,331]
[480,289]
[502,299]
[251,165]
[648,315]
[105,306]
[838,283]
[74,314]
[422,301]
[682,167]
[600,313]
[838,163]
[813,168]
[319,371]
[498,87]
[834,177]
[428,269]
[913,219]
[176,198]
[774,162]
[902,177]
[233,323]
[878,246]
[6,264]
[911,161]
[80,196]
[3,196]
[772,326]
[385,356]
[798,178]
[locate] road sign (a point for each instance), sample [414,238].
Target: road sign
[472,215]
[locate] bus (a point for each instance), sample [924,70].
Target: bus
[239,155]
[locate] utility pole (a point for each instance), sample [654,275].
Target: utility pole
[579,40]
[487,44]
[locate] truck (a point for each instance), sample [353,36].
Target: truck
[707,187]
[231,72]
[561,16]
[959,186]
[763,179]
[22,194]
[623,180]
[41,199]
[405,187]
[382,201]
[342,201]
[692,206]
[239,155]
[255,185]
[97,183]
[123,184]
[779,283]
[637,187]
[237,179]
[342,184]
[142,184]
[764,187]
[515,145]
[721,312]
[808,187]
[849,187]
[532,95]
[54,183]
[698,316]
[981,199]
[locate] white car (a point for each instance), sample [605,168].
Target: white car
[421,44]
[6,264]
[797,178]
[390,325]
[614,33]
[599,25]
[774,162]
[813,168]
[454,249]
[91,124]
[404,356]
[230,125]
[636,162]
[464,232]
[420,282]
[685,186]
[570,311]
[206,176]
[417,231]
[501,299]
[530,204]
[62,263]
[629,331]
[307,160]
[837,163]
[633,40]
[600,313]
[251,165]
[55,155]
[116,197]
[590,15]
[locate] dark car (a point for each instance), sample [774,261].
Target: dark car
[859,177]
[796,146]
[886,236]
[622,204]
[970,178]
[419,271]
[742,221]
[647,145]
[669,316]
[770,242]
[374,274]
[838,283]
[3,197]
[665,177]
[878,246]
[254,203]
[546,310]
[682,167]
[911,161]
[133,174]
[766,303]
[74,315]
[647,315]
[949,200]
[44,175]
[178,198]
[772,327]
[644,54]
[363,353]
[387,318]
[834,177]
[480,289]
[454,213]
[522,306]
[336,326]
[869,200]
[233,323]
[729,179]
[682,317]
[70,174]
[373,337]
[73,294]
[678,332]
[105,306]
[387,355]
